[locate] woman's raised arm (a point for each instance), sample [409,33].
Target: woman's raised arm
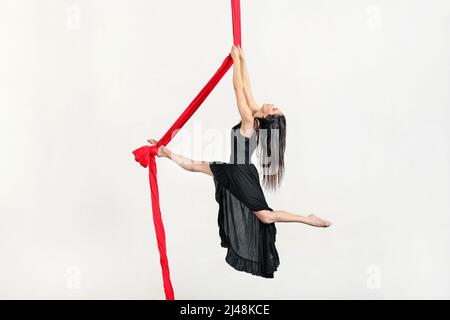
[246,82]
[238,85]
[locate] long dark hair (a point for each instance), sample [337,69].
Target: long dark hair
[271,137]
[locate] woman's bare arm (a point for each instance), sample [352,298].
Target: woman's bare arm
[238,85]
[246,83]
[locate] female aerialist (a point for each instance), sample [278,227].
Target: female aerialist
[246,222]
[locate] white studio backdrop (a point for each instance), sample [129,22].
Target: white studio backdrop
[365,89]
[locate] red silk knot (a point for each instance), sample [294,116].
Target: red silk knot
[153,151]
[145,155]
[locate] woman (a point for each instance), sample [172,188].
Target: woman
[246,222]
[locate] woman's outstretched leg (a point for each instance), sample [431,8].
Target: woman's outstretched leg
[267,216]
[183,162]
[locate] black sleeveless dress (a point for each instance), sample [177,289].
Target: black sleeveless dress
[250,243]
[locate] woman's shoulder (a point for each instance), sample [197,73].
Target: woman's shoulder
[245,131]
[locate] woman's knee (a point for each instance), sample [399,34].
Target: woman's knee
[266,216]
[201,166]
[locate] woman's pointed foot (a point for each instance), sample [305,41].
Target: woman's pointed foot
[316,221]
[162,150]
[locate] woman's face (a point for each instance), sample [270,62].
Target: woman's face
[269,109]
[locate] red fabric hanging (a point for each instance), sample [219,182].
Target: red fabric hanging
[145,155]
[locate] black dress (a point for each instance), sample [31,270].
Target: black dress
[250,243]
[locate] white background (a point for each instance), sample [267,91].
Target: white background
[365,89]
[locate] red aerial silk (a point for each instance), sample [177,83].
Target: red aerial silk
[146,155]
